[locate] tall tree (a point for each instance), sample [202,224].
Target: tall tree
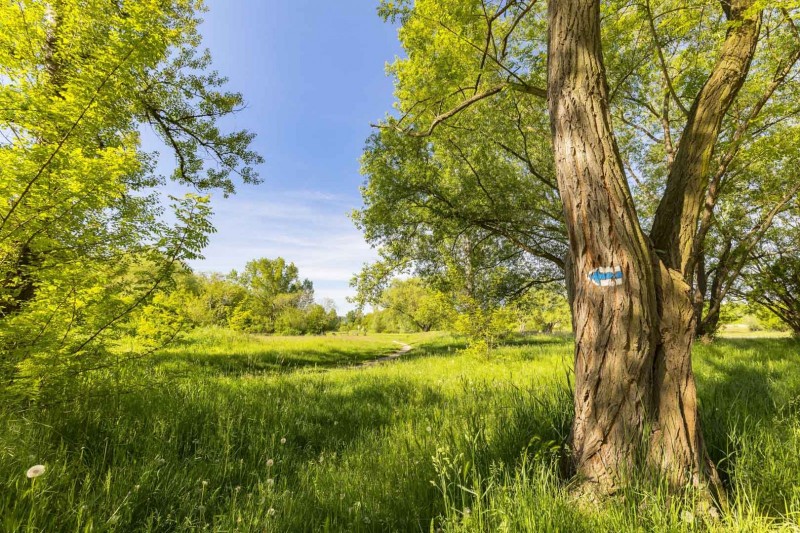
[634,381]
[83,243]
[272,285]
[630,288]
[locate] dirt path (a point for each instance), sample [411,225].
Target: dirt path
[403,349]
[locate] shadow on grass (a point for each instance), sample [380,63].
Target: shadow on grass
[751,383]
[264,360]
[453,345]
[214,423]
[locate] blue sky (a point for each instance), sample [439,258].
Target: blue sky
[313,75]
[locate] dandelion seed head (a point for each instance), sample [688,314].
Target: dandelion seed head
[270,481]
[271,512]
[283,440]
[270,462]
[205,483]
[35,471]
[428,429]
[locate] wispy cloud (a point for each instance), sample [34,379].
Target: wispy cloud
[309,228]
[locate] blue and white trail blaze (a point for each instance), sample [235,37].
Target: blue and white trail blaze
[606,276]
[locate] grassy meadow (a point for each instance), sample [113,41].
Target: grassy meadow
[228,432]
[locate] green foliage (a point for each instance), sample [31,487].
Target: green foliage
[773,281]
[485,327]
[85,246]
[545,309]
[732,312]
[267,297]
[273,292]
[461,171]
[439,439]
[477,193]
[415,307]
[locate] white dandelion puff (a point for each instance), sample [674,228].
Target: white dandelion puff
[35,471]
[270,462]
[271,512]
[283,440]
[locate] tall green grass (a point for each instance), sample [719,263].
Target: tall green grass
[262,434]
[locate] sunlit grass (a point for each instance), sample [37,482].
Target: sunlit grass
[286,434]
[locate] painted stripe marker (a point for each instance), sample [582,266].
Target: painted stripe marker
[606,276]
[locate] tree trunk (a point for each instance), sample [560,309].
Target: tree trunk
[635,398]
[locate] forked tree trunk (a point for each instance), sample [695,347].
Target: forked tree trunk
[635,399]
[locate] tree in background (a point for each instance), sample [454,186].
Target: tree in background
[83,243]
[545,309]
[272,287]
[425,309]
[267,297]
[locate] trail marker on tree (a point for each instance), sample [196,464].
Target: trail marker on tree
[606,276]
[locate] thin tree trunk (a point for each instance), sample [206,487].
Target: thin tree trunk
[700,289]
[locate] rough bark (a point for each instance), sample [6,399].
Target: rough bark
[635,397]
[616,326]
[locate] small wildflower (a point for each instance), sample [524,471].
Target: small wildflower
[270,462]
[271,512]
[467,511]
[283,440]
[205,483]
[35,471]
[136,487]
[428,429]
[270,482]
[687,516]
[238,488]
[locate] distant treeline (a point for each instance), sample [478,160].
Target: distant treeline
[267,297]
